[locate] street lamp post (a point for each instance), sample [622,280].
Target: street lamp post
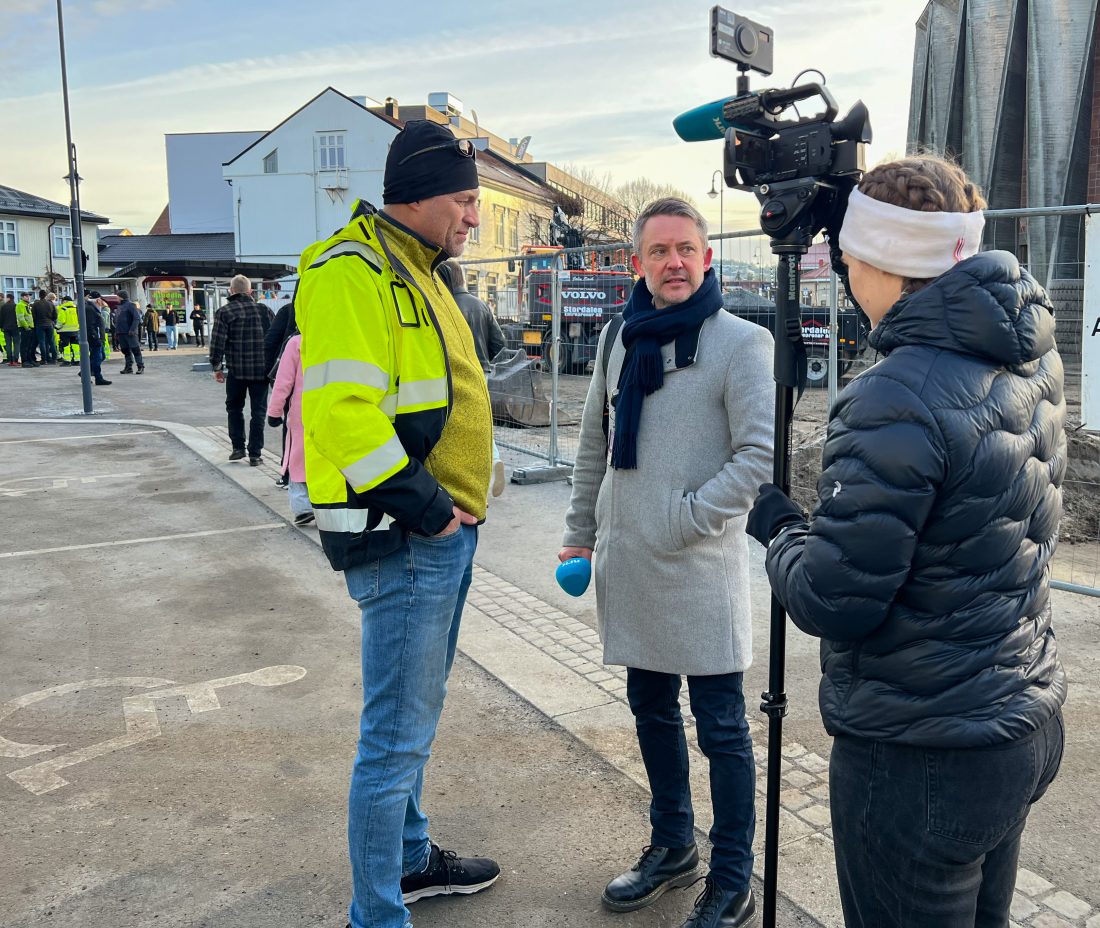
[76,246]
[720,193]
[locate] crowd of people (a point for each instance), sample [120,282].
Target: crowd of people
[44,330]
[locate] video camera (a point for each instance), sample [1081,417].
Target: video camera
[801,169]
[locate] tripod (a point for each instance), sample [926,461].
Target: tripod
[792,212]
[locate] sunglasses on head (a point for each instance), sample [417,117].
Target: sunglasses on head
[464,147]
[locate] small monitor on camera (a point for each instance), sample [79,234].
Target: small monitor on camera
[741,41]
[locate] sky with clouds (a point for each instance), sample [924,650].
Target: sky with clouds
[593,84]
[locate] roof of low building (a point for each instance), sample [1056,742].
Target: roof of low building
[205,254]
[17,203]
[197,246]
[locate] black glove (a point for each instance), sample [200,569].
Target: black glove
[771,513]
[274,421]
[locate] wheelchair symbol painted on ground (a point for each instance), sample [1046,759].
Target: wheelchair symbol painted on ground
[25,485]
[139,712]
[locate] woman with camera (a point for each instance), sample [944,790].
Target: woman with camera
[924,568]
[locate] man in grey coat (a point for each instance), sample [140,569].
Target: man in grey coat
[659,505]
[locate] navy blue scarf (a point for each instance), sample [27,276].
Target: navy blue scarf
[645,330]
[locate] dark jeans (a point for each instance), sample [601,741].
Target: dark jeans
[719,709]
[235,392]
[151,340]
[132,354]
[95,359]
[931,837]
[27,344]
[45,343]
[11,345]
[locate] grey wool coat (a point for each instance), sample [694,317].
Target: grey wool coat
[671,555]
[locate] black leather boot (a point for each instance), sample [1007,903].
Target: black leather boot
[658,870]
[720,908]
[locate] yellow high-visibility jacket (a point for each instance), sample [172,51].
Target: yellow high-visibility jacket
[67,319]
[23,315]
[397,424]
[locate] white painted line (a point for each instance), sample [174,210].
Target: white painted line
[142,541]
[27,441]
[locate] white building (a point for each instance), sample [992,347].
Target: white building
[199,199]
[296,184]
[36,239]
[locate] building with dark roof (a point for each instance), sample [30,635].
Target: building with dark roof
[36,241]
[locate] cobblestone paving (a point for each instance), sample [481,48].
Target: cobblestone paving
[1037,903]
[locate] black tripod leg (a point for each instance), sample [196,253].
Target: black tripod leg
[774,704]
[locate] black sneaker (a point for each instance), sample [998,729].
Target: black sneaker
[126,370]
[236,454]
[254,460]
[303,518]
[140,370]
[448,874]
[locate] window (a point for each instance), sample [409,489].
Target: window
[62,242]
[330,151]
[475,235]
[500,217]
[513,233]
[271,163]
[18,285]
[9,238]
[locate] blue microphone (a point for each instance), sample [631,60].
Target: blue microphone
[703,123]
[574,575]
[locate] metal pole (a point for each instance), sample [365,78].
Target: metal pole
[774,703]
[75,245]
[555,354]
[834,334]
[722,241]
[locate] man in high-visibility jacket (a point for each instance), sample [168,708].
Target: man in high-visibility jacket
[398,438]
[68,332]
[27,341]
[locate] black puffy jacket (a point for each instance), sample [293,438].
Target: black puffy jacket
[924,568]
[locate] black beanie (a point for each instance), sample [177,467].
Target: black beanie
[439,167]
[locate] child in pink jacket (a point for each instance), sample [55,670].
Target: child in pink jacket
[286,401]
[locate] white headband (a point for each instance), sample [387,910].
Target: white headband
[908,242]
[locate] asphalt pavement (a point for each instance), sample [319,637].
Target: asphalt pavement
[179,693]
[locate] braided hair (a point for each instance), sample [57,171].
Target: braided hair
[925,183]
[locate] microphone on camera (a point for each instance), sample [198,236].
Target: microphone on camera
[703,123]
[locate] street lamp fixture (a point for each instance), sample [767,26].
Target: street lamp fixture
[717,189]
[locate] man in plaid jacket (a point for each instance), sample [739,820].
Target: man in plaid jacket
[237,338]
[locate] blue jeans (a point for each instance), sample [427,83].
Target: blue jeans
[718,705]
[170,334]
[411,604]
[95,359]
[930,838]
[46,346]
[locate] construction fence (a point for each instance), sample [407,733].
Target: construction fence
[551,317]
